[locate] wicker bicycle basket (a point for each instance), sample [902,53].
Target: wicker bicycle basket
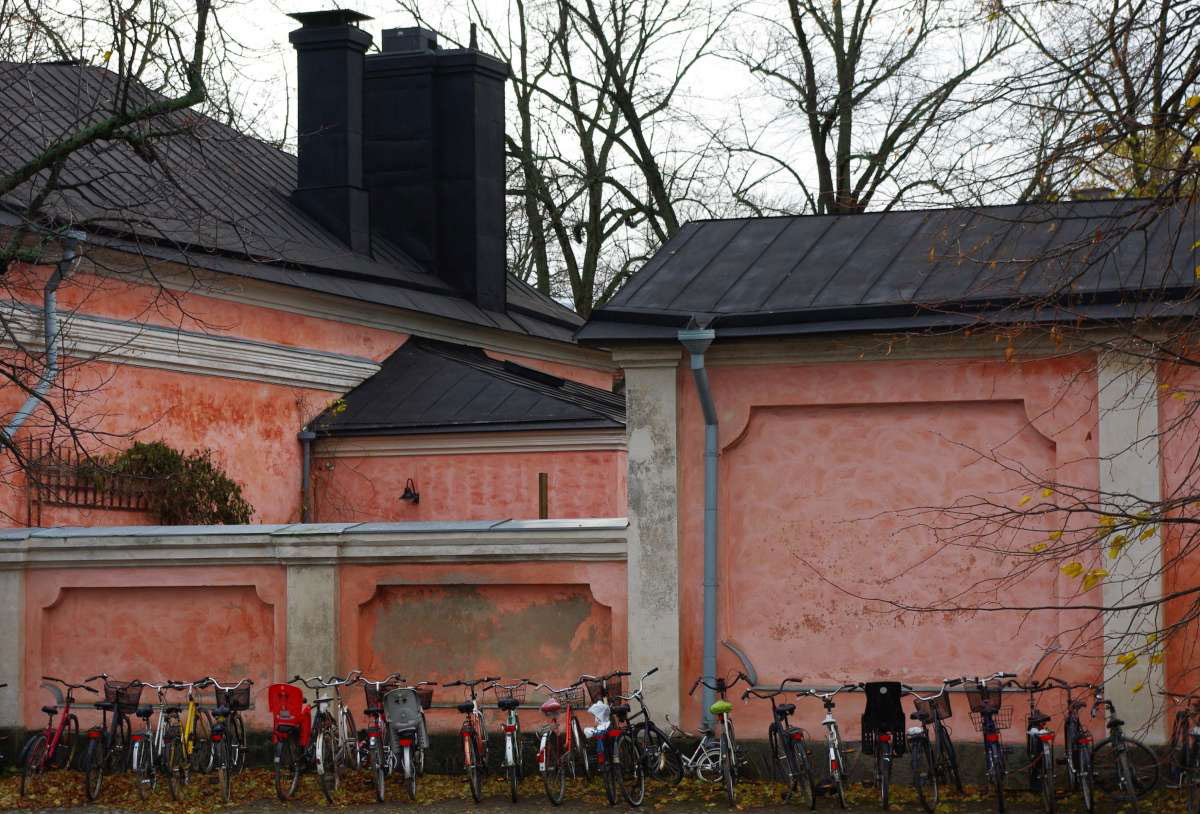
[600,689]
[516,693]
[938,709]
[572,696]
[425,697]
[374,696]
[236,699]
[125,694]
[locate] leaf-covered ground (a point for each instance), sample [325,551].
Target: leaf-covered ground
[254,793]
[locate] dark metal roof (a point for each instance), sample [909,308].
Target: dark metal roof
[908,269]
[428,386]
[217,199]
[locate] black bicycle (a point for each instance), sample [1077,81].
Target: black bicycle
[662,759]
[789,757]
[1184,755]
[932,766]
[1122,766]
[1077,741]
[109,745]
[883,731]
[1039,744]
[989,716]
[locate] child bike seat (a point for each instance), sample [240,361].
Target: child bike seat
[720,707]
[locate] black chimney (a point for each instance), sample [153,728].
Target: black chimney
[329,187]
[434,159]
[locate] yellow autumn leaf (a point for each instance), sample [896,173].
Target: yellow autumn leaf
[1047,492]
[1055,535]
[1151,638]
[1072,569]
[1023,500]
[1193,101]
[1157,658]
[1137,687]
[107,55]
[1128,660]
[1196,245]
[1180,396]
[1038,548]
[1164,385]
[1114,548]
[1093,578]
[1107,521]
[1147,534]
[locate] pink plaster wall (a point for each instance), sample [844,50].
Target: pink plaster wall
[480,486]
[152,624]
[818,464]
[548,621]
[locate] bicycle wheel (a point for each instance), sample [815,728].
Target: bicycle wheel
[1084,776]
[93,768]
[34,764]
[287,768]
[201,743]
[326,764]
[143,766]
[883,772]
[351,755]
[514,778]
[174,765]
[838,776]
[781,763]
[1192,778]
[224,767]
[379,772]
[996,773]
[805,788]
[554,773]
[1142,763]
[708,768]
[68,742]
[235,737]
[1047,778]
[633,775]
[474,770]
[409,762]
[727,770]
[660,760]
[949,759]
[1127,784]
[579,747]
[924,773]
[1177,756]
[117,755]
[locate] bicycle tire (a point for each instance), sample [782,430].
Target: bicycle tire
[224,767]
[708,768]
[727,771]
[579,751]
[409,761]
[781,763]
[200,753]
[513,770]
[1085,777]
[473,769]
[1192,778]
[883,772]
[142,767]
[287,768]
[235,736]
[660,759]
[34,763]
[996,772]
[351,755]
[118,752]
[379,772]
[950,756]
[805,783]
[838,778]
[554,773]
[1047,778]
[633,774]
[1177,756]
[924,772]
[93,769]
[605,767]
[1143,762]
[327,764]
[68,742]
[174,762]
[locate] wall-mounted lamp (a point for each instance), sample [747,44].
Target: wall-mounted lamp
[410,492]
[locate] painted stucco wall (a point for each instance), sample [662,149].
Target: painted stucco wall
[819,463]
[479,486]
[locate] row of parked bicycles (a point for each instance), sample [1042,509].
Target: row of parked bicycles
[167,741]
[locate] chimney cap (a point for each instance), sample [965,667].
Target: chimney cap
[411,38]
[330,17]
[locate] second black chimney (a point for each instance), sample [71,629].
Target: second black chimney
[329,185]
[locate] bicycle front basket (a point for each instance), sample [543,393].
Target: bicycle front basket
[425,697]
[1002,718]
[938,709]
[237,698]
[125,694]
[984,699]
[598,689]
[510,693]
[374,697]
[572,696]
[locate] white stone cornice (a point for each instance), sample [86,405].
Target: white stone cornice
[647,356]
[470,443]
[598,539]
[87,337]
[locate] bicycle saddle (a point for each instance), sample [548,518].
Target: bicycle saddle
[104,705]
[465,707]
[551,706]
[221,712]
[508,703]
[145,712]
[620,710]
[720,706]
[787,709]
[50,710]
[923,717]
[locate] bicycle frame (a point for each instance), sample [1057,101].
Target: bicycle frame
[833,738]
[53,732]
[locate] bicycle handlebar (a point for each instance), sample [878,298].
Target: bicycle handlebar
[377,684]
[462,682]
[70,685]
[825,696]
[209,681]
[728,685]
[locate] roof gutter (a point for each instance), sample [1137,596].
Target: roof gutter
[71,241]
[696,342]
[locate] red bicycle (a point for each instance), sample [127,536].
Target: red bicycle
[558,750]
[380,757]
[474,734]
[291,730]
[55,747]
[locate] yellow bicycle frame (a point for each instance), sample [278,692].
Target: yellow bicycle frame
[189,720]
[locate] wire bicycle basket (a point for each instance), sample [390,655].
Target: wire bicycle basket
[516,693]
[987,700]
[374,697]
[938,709]
[126,695]
[235,699]
[572,696]
[601,689]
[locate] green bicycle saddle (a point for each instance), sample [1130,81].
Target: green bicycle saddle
[720,707]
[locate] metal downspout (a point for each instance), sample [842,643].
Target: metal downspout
[696,343]
[71,239]
[306,437]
